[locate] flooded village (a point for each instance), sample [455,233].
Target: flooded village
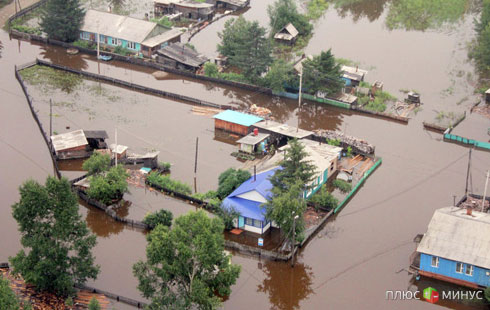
[393,214]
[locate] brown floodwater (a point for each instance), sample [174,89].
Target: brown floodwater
[359,254]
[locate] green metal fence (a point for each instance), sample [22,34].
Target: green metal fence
[335,103]
[358,185]
[462,140]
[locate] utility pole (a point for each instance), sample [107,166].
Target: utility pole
[468,174]
[299,96]
[195,165]
[50,117]
[485,193]
[116,147]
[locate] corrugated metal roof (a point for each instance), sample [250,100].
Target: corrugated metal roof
[238,118]
[454,235]
[196,5]
[183,54]
[119,149]
[96,134]
[353,73]
[163,37]
[288,32]
[253,139]
[261,184]
[69,140]
[283,129]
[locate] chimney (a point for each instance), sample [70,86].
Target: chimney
[469,211]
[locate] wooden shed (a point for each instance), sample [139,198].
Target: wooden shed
[235,122]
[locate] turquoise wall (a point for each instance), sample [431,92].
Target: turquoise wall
[124,43]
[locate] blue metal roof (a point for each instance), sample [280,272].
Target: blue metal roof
[262,185]
[238,118]
[246,208]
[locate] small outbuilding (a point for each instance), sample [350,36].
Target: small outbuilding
[353,76]
[96,138]
[71,145]
[235,122]
[229,4]
[288,34]
[119,150]
[281,133]
[254,142]
[179,56]
[187,9]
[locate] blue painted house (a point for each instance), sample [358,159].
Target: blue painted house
[352,76]
[138,36]
[456,247]
[248,200]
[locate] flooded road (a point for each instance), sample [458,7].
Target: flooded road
[358,255]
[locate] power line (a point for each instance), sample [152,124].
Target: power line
[24,155]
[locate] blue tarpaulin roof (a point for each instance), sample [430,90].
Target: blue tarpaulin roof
[238,118]
[250,208]
[246,208]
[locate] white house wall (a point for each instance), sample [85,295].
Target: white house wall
[253,229]
[254,196]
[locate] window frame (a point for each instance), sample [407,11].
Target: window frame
[247,219]
[470,269]
[461,267]
[131,45]
[436,259]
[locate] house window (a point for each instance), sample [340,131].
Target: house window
[469,270]
[119,42]
[131,45]
[331,167]
[249,221]
[459,267]
[257,223]
[113,41]
[85,35]
[435,262]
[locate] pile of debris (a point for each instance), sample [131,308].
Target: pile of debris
[475,203]
[356,143]
[262,112]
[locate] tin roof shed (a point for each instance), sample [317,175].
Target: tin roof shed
[69,140]
[238,118]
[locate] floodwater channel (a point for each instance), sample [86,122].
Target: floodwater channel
[358,256]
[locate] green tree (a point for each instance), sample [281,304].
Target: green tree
[283,12]
[211,70]
[186,266]
[8,300]
[285,206]
[280,74]
[322,73]
[323,198]
[230,179]
[294,167]
[486,292]
[110,186]
[56,242]
[97,163]
[484,20]
[481,53]
[246,46]
[94,304]
[62,19]
[160,217]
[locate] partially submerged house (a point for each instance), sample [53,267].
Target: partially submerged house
[235,122]
[352,76]
[96,138]
[456,247]
[281,133]
[229,4]
[140,37]
[254,142]
[120,151]
[187,8]
[71,145]
[179,56]
[248,200]
[288,34]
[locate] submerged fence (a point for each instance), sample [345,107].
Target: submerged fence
[471,142]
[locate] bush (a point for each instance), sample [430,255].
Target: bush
[165,166]
[166,182]
[97,163]
[230,179]
[122,51]
[109,187]
[8,300]
[161,217]
[324,199]
[211,70]
[84,44]
[344,186]
[94,304]
[334,142]
[205,196]
[349,151]
[27,29]
[227,215]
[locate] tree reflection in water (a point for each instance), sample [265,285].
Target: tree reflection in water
[286,286]
[101,224]
[372,9]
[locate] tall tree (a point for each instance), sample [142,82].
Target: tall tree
[186,266]
[8,300]
[57,240]
[246,46]
[62,19]
[230,179]
[322,73]
[109,186]
[484,20]
[283,12]
[279,75]
[294,167]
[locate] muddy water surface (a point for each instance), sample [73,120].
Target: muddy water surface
[359,254]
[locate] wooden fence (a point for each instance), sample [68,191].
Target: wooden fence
[126,300]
